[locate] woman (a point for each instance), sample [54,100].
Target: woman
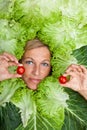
[36,61]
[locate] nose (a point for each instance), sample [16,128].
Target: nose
[36,70]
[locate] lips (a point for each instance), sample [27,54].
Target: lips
[35,80]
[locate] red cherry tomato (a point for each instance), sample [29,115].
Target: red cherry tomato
[20,70]
[62,79]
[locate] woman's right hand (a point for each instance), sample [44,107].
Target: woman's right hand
[7,60]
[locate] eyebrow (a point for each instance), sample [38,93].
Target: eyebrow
[27,58]
[33,59]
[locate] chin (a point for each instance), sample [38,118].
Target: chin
[32,88]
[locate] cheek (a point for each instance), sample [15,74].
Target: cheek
[25,77]
[45,72]
[26,73]
[28,70]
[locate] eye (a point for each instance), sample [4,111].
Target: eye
[29,62]
[45,64]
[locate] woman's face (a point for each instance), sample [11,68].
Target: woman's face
[37,66]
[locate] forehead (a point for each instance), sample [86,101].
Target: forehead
[38,52]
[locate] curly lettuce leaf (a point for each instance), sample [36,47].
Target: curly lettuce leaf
[15,91]
[62,58]
[24,7]
[35,113]
[38,122]
[51,101]
[63,37]
[12,37]
[64,32]
[59,33]
[6,8]
[81,37]
[75,9]
[33,13]
[23,100]
[7,89]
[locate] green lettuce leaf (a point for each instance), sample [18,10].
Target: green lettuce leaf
[38,122]
[81,55]
[75,114]
[33,105]
[61,59]
[13,37]
[23,8]
[63,37]
[75,9]
[59,33]
[9,117]
[51,101]
[33,13]
[7,89]
[6,8]
[23,100]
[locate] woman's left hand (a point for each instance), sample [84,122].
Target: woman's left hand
[78,79]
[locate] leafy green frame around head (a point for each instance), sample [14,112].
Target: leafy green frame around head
[64,30]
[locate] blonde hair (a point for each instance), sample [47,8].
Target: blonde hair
[34,44]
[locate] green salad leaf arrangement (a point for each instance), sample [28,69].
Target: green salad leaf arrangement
[6,8]
[62,25]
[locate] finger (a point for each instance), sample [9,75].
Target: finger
[78,68]
[84,70]
[71,74]
[74,68]
[2,57]
[13,64]
[10,57]
[70,68]
[10,63]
